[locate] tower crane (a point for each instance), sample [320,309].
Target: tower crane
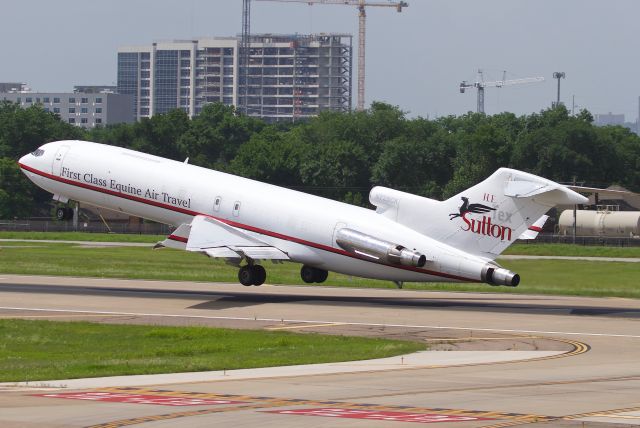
[244,55]
[480,84]
[361,5]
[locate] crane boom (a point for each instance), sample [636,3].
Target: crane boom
[480,84]
[358,3]
[500,83]
[362,18]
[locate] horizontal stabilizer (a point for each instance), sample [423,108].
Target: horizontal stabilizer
[177,239]
[534,229]
[548,192]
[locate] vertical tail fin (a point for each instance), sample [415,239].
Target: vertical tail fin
[484,219]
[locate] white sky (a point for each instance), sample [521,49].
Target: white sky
[415,59]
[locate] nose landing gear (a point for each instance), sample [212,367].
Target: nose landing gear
[64,213]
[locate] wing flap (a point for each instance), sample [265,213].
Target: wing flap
[217,239]
[207,232]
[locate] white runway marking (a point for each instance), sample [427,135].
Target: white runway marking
[280,320]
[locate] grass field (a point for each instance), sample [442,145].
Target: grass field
[41,350]
[561,277]
[572,250]
[83,236]
[522,249]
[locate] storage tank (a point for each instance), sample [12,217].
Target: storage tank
[600,223]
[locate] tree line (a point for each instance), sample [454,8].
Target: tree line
[342,155]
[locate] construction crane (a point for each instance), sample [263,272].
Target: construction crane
[244,55]
[480,84]
[361,5]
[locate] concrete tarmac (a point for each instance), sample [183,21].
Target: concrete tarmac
[587,373]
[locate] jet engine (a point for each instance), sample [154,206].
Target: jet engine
[369,246]
[496,275]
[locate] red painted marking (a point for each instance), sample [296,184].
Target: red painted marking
[425,418]
[489,197]
[535,228]
[178,238]
[161,400]
[238,225]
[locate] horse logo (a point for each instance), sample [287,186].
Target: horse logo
[466,208]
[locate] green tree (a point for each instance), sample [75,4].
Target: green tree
[271,156]
[16,191]
[160,134]
[216,135]
[422,167]
[479,152]
[24,130]
[335,168]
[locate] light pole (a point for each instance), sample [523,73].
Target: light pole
[558,75]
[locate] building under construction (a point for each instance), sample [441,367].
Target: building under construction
[289,77]
[297,76]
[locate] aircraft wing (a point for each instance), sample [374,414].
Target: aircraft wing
[217,239]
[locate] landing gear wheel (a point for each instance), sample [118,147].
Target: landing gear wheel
[246,276]
[259,275]
[322,275]
[61,214]
[310,274]
[64,213]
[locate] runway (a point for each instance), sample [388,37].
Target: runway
[592,381]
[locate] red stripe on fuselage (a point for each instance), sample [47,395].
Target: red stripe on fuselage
[235,224]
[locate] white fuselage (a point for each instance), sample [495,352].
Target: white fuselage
[299,224]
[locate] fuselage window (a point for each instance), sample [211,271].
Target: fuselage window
[236,209]
[216,204]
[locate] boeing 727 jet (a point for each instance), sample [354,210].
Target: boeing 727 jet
[246,222]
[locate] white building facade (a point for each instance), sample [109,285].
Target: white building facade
[289,76]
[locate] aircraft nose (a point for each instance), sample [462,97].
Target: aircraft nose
[24,160]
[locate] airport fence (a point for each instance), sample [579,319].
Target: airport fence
[151,228]
[602,241]
[40,225]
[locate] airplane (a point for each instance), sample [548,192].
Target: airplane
[247,222]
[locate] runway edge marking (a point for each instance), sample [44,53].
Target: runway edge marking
[281,320]
[602,413]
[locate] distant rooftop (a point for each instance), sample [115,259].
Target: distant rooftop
[96,89]
[13,87]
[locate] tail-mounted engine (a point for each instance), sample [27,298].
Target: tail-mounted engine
[495,275]
[384,251]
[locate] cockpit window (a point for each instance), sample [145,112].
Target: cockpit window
[37,152]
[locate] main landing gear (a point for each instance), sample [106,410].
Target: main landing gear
[252,275]
[310,274]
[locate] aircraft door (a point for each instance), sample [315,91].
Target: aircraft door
[58,159]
